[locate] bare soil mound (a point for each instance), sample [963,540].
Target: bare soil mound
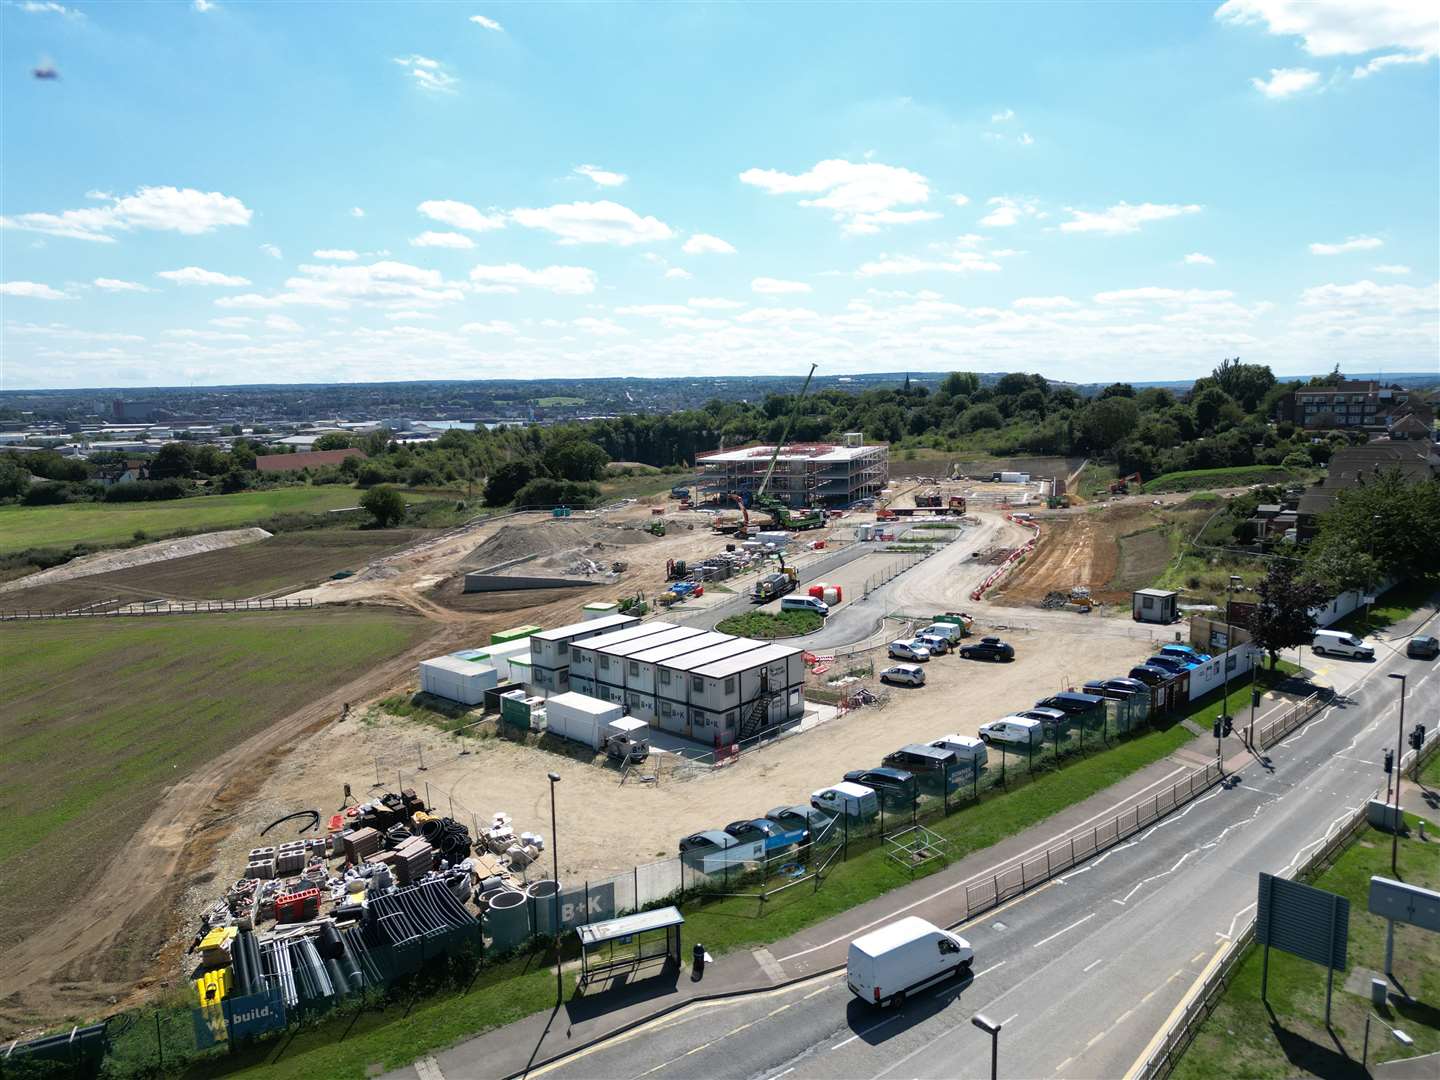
[555,541]
[105,561]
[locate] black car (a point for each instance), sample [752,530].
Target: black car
[1071,703]
[1151,676]
[1119,689]
[753,829]
[893,785]
[1423,648]
[988,648]
[1172,664]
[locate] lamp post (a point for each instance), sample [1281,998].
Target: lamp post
[1399,756]
[555,862]
[991,1028]
[1230,587]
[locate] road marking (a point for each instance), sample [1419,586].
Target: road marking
[813,993]
[428,1068]
[1093,963]
[1008,1019]
[1134,1071]
[867,1031]
[991,968]
[1057,933]
[1122,1018]
[1198,956]
[780,1074]
[1095,1040]
[1147,997]
[1061,1066]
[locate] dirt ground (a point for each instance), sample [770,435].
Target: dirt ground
[106,561]
[1079,549]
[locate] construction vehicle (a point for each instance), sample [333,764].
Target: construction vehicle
[1122,486]
[885,514]
[679,493]
[1058,502]
[656,528]
[771,586]
[928,500]
[957,504]
[634,605]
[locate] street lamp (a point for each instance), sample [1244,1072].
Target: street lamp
[990,1027]
[555,898]
[1399,756]
[1230,586]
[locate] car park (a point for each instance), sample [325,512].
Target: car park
[908,650]
[1151,676]
[937,645]
[1013,729]
[893,785]
[1186,653]
[988,648]
[792,818]
[1423,648]
[1339,643]
[885,965]
[904,675]
[851,800]
[1071,703]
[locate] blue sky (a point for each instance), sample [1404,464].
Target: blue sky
[221,192]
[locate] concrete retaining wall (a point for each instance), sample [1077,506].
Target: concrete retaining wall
[483,583]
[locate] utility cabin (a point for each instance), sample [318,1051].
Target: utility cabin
[585,654]
[550,650]
[742,695]
[615,665]
[673,680]
[1155,605]
[640,683]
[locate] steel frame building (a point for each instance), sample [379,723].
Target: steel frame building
[806,474]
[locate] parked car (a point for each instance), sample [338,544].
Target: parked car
[792,818]
[937,645]
[951,632]
[904,675]
[852,800]
[1423,648]
[707,841]
[1186,653]
[805,603]
[1339,643]
[893,785]
[1048,717]
[1119,689]
[885,965]
[932,766]
[966,748]
[1151,676]
[908,650]
[1172,664]
[1013,729]
[988,648]
[1071,703]
[754,829]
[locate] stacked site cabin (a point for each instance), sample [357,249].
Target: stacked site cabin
[725,692]
[602,666]
[458,678]
[550,650]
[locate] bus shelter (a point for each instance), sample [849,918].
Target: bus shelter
[627,943]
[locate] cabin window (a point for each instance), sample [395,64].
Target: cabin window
[730,685]
[697,684]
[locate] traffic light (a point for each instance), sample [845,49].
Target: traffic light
[1417,737]
[1229,725]
[1389,761]
[1215,728]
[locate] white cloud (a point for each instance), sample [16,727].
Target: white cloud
[1196,258]
[568,280]
[272,250]
[429,74]
[1342,27]
[459,215]
[1123,217]
[594,223]
[117,285]
[867,224]
[1364,71]
[283,323]
[194,275]
[494,326]
[163,209]
[1044,303]
[31,290]
[848,189]
[1390,299]
[705,244]
[408,316]
[1352,243]
[1001,116]
[336,254]
[772,315]
[960,200]
[958,262]
[232,322]
[775,286]
[356,211]
[1009,210]
[1286,81]
[714,303]
[442,240]
[488,24]
[1156,294]
[204,6]
[1026,139]
[1391,268]
[603,177]
[47,7]
[599,327]
[381,283]
[653,311]
[678,273]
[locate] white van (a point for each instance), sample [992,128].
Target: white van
[886,964]
[805,603]
[948,630]
[1338,643]
[853,800]
[967,748]
[1013,729]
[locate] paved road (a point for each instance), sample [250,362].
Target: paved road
[1085,970]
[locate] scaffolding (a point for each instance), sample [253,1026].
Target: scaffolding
[806,474]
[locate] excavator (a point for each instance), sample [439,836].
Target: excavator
[1122,486]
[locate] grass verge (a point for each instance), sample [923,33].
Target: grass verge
[771,624]
[1245,1038]
[1235,476]
[1390,607]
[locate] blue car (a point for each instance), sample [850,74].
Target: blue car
[1184,652]
[1172,664]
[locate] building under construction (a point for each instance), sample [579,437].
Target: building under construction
[806,474]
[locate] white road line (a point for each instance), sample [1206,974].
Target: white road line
[1008,1019]
[1057,933]
[1093,963]
[427,1068]
[991,968]
[867,1031]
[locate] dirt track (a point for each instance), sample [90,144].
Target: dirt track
[1077,549]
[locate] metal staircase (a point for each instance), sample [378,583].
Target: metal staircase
[758,718]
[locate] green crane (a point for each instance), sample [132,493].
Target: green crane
[782,515]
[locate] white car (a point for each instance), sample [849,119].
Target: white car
[937,645]
[1013,729]
[908,650]
[904,675]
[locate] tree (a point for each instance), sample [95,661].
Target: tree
[13,479]
[1119,389]
[981,418]
[1388,516]
[1103,424]
[1209,403]
[960,384]
[1282,618]
[508,479]
[376,443]
[334,440]
[385,505]
[174,461]
[1247,384]
[575,458]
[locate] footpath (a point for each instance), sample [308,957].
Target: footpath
[537,1040]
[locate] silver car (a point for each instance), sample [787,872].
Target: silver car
[904,675]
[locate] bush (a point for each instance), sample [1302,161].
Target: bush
[385,505]
[547,492]
[146,491]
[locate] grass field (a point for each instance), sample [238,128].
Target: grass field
[767,625]
[1289,1038]
[1238,476]
[102,524]
[285,561]
[100,715]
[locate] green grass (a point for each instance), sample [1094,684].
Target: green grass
[396,1037]
[766,624]
[102,715]
[1390,607]
[1236,476]
[549,402]
[642,486]
[1241,1039]
[103,524]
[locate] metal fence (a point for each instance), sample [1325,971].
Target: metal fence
[169,607]
[897,568]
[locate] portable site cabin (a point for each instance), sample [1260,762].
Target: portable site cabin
[498,656]
[456,679]
[1154,605]
[615,665]
[640,684]
[599,609]
[550,649]
[580,718]
[742,695]
[672,685]
[584,655]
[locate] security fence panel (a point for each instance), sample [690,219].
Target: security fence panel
[594,901]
